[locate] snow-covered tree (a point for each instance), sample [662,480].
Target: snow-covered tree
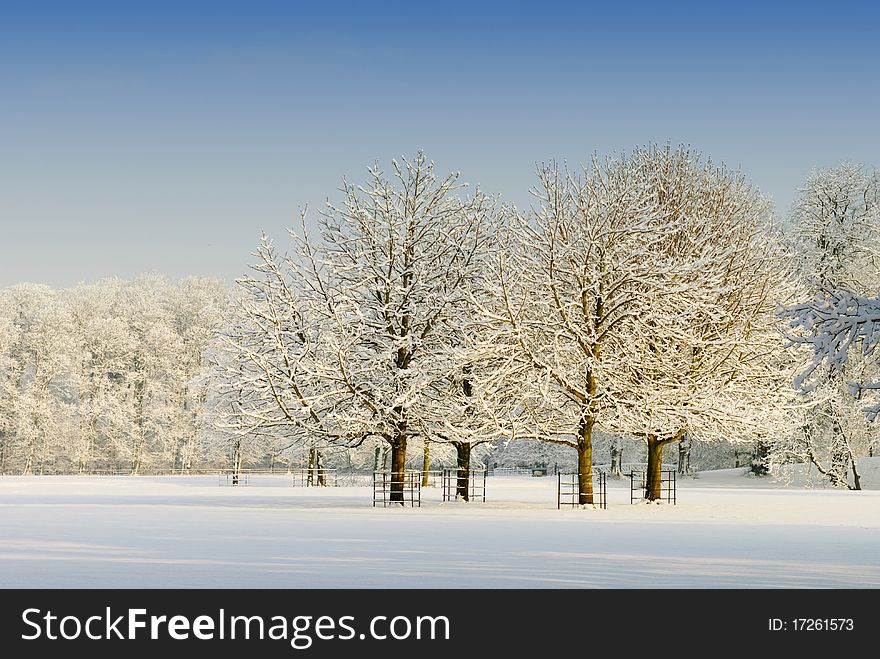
[243,418]
[101,375]
[169,327]
[567,299]
[40,415]
[102,347]
[462,415]
[639,299]
[196,306]
[9,337]
[349,338]
[842,331]
[835,230]
[718,367]
[835,227]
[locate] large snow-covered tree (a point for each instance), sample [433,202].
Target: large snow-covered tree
[569,294]
[717,366]
[350,337]
[639,298]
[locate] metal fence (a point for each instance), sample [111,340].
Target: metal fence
[510,471]
[638,485]
[228,478]
[568,489]
[434,478]
[410,486]
[476,484]
[314,477]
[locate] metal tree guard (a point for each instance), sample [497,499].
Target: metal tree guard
[568,490]
[476,485]
[411,488]
[638,483]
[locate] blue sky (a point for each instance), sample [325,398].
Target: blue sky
[166,136]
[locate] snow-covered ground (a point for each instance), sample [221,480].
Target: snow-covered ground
[728,530]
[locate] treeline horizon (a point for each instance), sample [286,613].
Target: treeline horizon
[674,267]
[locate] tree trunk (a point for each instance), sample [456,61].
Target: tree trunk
[684,456]
[236,462]
[426,462]
[760,455]
[319,466]
[857,482]
[30,467]
[187,440]
[398,468]
[85,460]
[310,474]
[616,457]
[140,430]
[463,477]
[840,452]
[376,458]
[653,474]
[84,439]
[585,461]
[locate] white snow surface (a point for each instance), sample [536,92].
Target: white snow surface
[729,530]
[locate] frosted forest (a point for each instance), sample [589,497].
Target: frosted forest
[650,308]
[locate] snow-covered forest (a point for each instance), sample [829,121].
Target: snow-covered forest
[650,308]
[105,376]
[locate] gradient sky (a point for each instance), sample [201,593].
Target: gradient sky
[165,136]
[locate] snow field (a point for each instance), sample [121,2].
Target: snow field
[728,531]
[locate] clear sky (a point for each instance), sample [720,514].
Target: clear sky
[165,136]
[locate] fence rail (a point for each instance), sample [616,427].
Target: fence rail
[229,478]
[510,471]
[314,477]
[432,478]
[212,471]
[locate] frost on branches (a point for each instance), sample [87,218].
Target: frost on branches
[104,376]
[835,229]
[835,234]
[834,326]
[842,331]
[358,334]
[37,414]
[639,299]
